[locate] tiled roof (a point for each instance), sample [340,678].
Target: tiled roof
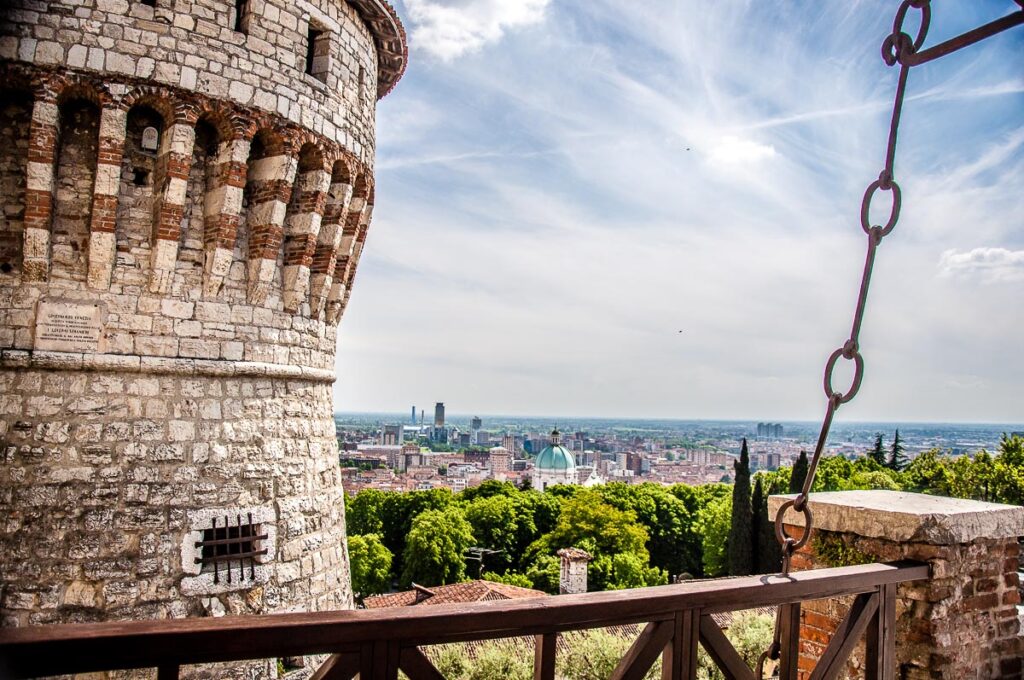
[468,591]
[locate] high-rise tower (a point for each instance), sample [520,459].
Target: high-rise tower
[186,191]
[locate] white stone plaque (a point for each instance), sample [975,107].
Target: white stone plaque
[150,139]
[70,326]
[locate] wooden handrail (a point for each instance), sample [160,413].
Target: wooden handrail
[80,648]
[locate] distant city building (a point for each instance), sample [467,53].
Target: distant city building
[439,414]
[508,441]
[499,460]
[475,423]
[412,419]
[392,435]
[554,465]
[465,439]
[770,431]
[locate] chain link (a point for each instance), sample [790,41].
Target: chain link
[897,48]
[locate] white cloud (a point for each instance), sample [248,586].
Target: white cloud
[449,28]
[991,265]
[732,151]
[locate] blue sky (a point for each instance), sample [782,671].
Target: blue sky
[563,187]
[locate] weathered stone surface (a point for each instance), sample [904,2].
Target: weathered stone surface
[150,167]
[960,624]
[904,516]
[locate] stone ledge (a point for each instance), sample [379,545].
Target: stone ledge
[131,363]
[902,516]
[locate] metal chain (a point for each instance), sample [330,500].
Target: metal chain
[897,48]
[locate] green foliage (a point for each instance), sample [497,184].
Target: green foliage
[434,551]
[594,654]
[766,550]
[713,523]
[606,532]
[799,473]
[510,578]
[750,634]
[624,570]
[739,546]
[492,659]
[544,574]
[831,551]
[877,452]
[495,526]
[370,564]
[673,542]
[897,461]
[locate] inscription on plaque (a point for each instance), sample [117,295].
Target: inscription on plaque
[69,326]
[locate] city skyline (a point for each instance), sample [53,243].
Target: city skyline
[633,222]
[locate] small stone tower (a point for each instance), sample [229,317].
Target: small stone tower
[186,187]
[573,575]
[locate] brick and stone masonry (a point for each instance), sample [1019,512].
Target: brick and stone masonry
[961,624]
[185,188]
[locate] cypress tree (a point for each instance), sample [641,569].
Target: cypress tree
[877,453]
[799,474]
[897,461]
[766,551]
[740,542]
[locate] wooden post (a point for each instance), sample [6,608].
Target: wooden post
[790,639]
[544,656]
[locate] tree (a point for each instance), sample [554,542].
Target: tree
[672,541]
[370,565]
[897,461]
[495,527]
[587,522]
[766,550]
[739,546]
[435,546]
[799,474]
[713,524]
[877,452]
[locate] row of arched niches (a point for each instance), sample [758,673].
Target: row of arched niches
[271,213]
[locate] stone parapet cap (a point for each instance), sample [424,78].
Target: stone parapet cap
[132,363]
[902,516]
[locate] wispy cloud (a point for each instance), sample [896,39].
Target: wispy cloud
[450,28]
[990,265]
[552,210]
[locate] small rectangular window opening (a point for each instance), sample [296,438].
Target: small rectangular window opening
[226,547]
[148,3]
[362,83]
[241,16]
[318,52]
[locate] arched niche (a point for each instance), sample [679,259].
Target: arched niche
[139,180]
[15,121]
[200,180]
[75,179]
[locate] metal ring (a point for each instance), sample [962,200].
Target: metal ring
[780,531]
[865,206]
[926,18]
[858,375]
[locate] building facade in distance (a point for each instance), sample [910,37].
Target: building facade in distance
[186,189]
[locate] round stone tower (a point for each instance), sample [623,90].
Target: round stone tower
[185,188]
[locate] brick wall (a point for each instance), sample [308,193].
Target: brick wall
[961,624]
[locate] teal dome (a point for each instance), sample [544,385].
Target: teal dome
[556,456]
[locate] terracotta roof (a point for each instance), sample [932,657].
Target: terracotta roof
[469,591]
[392,46]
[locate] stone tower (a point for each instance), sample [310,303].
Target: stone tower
[185,188]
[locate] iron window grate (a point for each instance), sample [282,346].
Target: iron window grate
[231,546]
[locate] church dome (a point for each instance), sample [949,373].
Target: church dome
[556,456]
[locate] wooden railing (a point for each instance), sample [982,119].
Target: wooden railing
[377,643]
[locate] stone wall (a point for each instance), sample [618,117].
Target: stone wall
[962,623]
[192,45]
[183,210]
[106,475]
